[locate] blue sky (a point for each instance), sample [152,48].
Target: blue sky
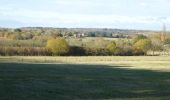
[124,14]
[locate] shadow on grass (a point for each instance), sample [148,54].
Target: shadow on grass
[69,81]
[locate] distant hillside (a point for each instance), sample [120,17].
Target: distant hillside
[86,30]
[78,32]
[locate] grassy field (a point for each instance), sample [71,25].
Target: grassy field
[92,78]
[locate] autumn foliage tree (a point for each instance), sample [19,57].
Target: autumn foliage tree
[111,47]
[58,46]
[144,45]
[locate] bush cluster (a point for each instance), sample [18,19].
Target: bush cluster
[25,51]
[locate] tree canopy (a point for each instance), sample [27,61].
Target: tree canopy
[139,37]
[143,44]
[111,47]
[58,46]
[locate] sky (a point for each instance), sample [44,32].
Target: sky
[120,14]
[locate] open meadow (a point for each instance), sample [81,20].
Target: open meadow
[51,78]
[84,50]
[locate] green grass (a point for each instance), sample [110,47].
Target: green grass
[92,78]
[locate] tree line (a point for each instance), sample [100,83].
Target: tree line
[140,45]
[57,42]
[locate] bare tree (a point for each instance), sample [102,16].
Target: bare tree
[163,33]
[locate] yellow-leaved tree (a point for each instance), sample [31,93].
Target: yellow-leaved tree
[144,45]
[58,46]
[111,47]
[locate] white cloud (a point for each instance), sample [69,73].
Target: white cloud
[29,16]
[89,13]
